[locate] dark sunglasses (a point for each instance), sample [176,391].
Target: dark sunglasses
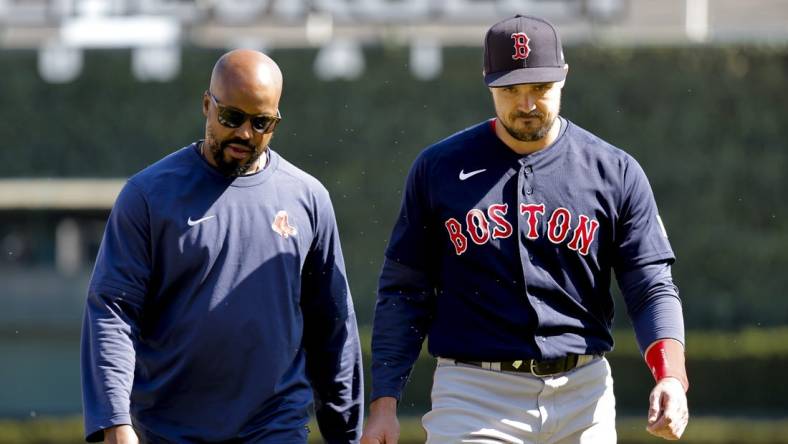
[234,117]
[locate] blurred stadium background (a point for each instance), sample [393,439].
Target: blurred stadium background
[94,90]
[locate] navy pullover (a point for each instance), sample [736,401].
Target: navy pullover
[219,306]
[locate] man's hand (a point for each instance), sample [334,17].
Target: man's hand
[382,426]
[667,412]
[122,434]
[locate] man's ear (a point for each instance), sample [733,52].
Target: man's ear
[206,102]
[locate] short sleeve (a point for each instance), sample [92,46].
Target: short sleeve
[411,235]
[641,237]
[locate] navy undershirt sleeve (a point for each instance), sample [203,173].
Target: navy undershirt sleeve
[402,317]
[653,303]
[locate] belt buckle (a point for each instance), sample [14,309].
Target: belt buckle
[535,373]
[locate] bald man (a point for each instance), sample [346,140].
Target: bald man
[219,309]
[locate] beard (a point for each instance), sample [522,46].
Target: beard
[229,166]
[528,131]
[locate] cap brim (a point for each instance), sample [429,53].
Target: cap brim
[525,75]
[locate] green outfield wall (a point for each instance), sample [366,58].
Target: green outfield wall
[708,125]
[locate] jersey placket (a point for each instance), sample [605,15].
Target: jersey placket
[525,189]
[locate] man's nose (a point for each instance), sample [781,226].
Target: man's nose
[527,102]
[245,131]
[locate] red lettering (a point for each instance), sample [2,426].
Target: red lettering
[584,234]
[477,225]
[557,231]
[532,210]
[455,235]
[476,222]
[496,212]
[521,48]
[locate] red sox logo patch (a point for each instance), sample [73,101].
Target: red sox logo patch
[559,227]
[282,226]
[521,48]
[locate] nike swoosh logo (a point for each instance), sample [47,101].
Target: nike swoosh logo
[464,175]
[195,222]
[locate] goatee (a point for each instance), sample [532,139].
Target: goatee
[529,135]
[233,167]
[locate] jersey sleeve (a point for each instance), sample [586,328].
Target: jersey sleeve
[641,237]
[406,294]
[413,229]
[115,297]
[331,341]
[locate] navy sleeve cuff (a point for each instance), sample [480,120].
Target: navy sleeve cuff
[384,392]
[94,430]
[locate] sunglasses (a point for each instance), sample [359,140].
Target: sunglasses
[234,117]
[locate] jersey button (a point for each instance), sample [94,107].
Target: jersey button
[529,170]
[529,191]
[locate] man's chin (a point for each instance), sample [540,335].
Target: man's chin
[238,167]
[230,167]
[531,138]
[529,135]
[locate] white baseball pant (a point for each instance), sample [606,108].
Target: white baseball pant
[475,405]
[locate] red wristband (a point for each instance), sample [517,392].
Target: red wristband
[665,359]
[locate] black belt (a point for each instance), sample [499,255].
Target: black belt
[533,366]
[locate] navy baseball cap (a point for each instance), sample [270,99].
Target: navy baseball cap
[523,49]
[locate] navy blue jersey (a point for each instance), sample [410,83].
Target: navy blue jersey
[497,256]
[219,306]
